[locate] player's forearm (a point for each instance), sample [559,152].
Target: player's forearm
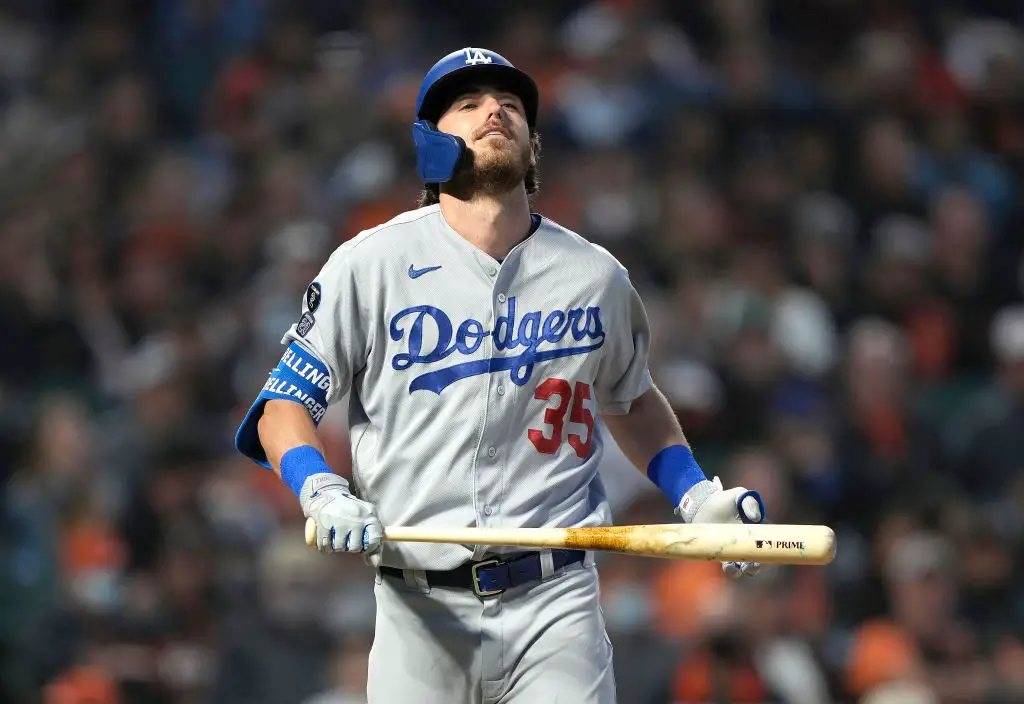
[650,437]
[648,428]
[285,425]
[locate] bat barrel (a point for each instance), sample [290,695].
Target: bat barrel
[725,542]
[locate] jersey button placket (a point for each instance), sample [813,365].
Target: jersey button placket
[487,498]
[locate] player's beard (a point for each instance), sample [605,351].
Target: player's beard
[492,172]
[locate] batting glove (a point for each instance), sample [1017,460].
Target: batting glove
[343,522]
[707,502]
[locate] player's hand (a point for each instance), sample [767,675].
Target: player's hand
[708,502]
[343,522]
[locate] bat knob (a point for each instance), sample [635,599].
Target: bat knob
[742,511]
[311,532]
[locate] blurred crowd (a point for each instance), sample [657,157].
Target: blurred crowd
[818,199]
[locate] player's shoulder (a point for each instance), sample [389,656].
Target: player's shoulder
[385,239]
[578,246]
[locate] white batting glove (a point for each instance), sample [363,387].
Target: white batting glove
[707,502]
[343,522]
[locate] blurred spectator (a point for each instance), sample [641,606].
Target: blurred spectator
[347,675]
[280,652]
[987,435]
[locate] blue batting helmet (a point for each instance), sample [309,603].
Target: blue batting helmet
[438,153]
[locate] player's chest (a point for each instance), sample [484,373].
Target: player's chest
[470,328]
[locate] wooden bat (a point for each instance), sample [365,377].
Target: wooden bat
[768,543]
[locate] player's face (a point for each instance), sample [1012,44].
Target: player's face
[493,124]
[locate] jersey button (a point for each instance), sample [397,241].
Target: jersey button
[493,270]
[487,510]
[500,390]
[501,298]
[491,451]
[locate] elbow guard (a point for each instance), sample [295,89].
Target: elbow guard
[299,377]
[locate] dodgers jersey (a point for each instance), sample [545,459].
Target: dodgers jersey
[475,384]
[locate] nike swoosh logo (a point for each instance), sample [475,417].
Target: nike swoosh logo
[415,273]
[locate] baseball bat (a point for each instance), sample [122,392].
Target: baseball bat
[768,543]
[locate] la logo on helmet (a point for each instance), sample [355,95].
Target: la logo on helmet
[475,56]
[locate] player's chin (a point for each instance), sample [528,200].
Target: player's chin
[504,154]
[493,149]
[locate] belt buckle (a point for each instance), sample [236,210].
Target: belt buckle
[476,579]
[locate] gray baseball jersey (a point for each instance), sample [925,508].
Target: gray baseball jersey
[475,385]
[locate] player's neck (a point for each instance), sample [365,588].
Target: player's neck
[492,223]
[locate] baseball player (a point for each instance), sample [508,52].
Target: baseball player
[479,345]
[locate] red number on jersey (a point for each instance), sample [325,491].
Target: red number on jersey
[555,417]
[582,415]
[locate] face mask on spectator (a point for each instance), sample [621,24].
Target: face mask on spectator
[627,608]
[99,590]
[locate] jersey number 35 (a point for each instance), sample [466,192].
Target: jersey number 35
[554,416]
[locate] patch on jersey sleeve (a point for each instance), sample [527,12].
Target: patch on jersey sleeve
[314,294]
[305,324]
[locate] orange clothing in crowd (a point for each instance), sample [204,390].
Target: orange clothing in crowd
[881,652]
[82,685]
[698,680]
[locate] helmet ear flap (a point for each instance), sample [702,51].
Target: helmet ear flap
[437,153]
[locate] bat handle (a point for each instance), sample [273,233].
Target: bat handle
[310,532]
[742,512]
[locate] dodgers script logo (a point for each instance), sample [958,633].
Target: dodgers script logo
[531,333]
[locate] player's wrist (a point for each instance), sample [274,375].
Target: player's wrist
[675,471]
[299,464]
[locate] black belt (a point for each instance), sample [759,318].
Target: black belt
[490,577]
